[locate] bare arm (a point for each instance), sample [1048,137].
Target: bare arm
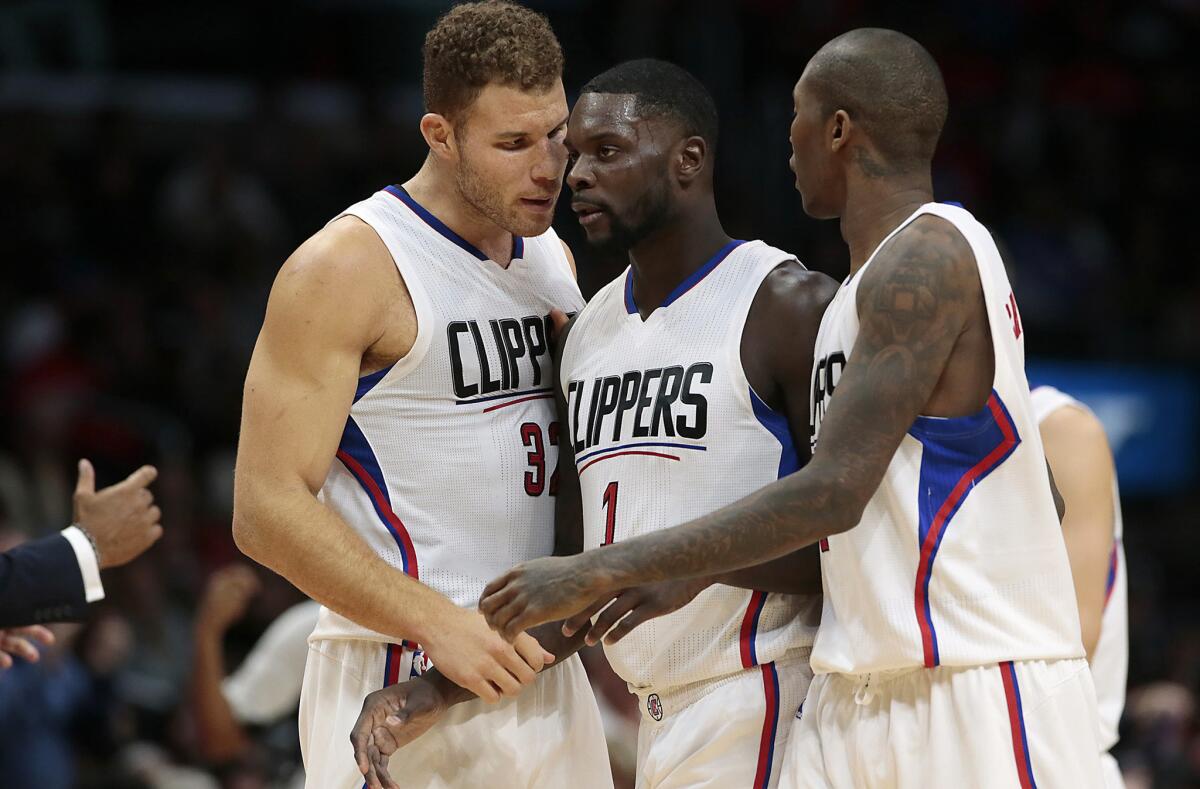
[914,302]
[777,355]
[219,735]
[1078,451]
[328,309]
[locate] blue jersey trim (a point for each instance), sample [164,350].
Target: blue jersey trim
[683,287]
[399,192]
[777,424]
[367,382]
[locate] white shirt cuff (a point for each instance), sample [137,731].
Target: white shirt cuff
[89,566]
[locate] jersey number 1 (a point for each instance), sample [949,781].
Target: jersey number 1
[609,502]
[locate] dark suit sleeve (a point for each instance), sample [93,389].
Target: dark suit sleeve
[41,582]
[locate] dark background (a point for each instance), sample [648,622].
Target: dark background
[158,162]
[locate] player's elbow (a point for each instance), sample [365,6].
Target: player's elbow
[252,526]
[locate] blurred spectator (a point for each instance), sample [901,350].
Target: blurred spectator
[265,689]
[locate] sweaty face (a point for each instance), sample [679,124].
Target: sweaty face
[620,169]
[811,159]
[511,156]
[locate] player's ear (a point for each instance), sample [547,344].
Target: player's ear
[839,130]
[438,132]
[692,159]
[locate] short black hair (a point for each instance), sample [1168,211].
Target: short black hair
[887,83]
[662,88]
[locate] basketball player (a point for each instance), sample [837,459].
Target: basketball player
[684,384]
[1078,451]
[398,427]
[949,652]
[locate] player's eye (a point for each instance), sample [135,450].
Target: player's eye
[513,145]
[606,152]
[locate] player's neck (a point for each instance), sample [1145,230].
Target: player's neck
[667,257]
[876,207]
[436,192]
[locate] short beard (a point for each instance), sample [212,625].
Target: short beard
[488,203]
[650,213]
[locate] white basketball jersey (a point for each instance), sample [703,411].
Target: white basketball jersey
[666,429]
[959,558]
[1110,659]
[446,464]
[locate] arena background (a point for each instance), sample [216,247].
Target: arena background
[158,161]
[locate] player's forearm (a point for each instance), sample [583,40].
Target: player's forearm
[309,544]
[774,521]
[218,734]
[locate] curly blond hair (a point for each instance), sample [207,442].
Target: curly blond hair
[476,44]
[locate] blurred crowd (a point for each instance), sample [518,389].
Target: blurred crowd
[158,165]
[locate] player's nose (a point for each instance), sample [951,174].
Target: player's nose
[551,163]
[579,176]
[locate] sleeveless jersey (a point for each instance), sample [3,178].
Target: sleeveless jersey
[959,557]
[1110,659]
[665,429]
[445,465]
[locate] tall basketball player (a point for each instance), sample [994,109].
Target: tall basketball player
[399,432]
[684,386]
[949,651]
[1078,451]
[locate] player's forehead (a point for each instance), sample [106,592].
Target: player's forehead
[507,110]
[597,115]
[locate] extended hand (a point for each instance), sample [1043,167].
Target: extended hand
[390,719]
[632,607]
[540,590]
[121,518]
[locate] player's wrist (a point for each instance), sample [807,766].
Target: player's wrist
[448,692]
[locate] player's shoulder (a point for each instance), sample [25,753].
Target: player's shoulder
[790,289]
[346,249]
[1072,420]
[343,263]
[930,258]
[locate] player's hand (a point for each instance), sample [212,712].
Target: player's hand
[541,590]
[475,657]
[390,719]
[227,596]
[19,642]
[121,519]
[631,607]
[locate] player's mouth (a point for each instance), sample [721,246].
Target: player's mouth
[541,204]
[587,213]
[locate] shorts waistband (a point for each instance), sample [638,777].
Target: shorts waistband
[658,704]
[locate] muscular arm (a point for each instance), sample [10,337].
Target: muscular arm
[298,393]
[328,310]
[777,355]
[915,301]
[1078,451]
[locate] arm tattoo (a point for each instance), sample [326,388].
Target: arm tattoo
[913,302]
